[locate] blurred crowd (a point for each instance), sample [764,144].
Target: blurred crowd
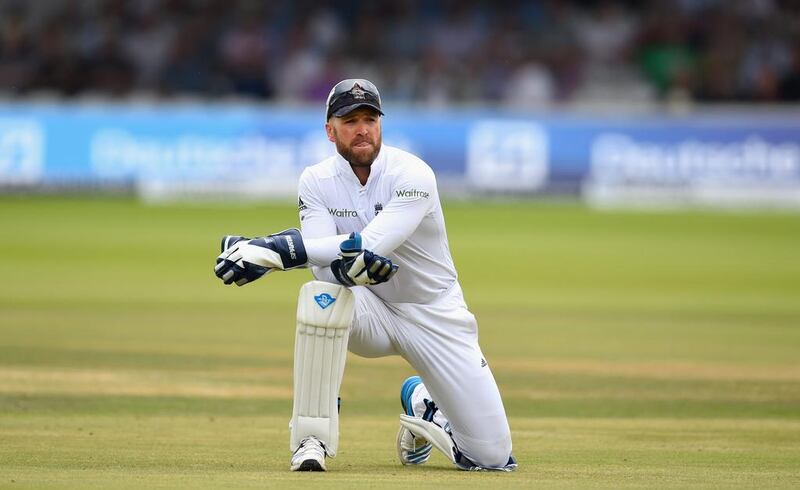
[522,54]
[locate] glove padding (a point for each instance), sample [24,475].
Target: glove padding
[244,260]
[357,267]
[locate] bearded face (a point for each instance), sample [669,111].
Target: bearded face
[357,136]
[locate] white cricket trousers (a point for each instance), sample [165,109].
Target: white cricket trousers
[440,341]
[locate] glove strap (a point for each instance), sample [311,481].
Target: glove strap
[288,244]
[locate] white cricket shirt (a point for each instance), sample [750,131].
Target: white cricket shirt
[397,212]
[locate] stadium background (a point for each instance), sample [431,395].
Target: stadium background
[644,335]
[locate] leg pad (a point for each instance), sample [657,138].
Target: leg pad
[324,315]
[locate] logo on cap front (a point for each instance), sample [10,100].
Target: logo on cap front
[357,92]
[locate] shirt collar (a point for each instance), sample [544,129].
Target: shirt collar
[376,169]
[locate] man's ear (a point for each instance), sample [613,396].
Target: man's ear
[329,131]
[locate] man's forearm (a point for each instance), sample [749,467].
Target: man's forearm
[322,251]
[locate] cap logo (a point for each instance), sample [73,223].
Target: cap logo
[357,92]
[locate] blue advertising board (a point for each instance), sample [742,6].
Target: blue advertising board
[260,151]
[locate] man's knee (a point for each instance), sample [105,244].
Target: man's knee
[488,454]
[366,343]
[368,331]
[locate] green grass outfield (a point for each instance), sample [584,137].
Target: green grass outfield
[632,350]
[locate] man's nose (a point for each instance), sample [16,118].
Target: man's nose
[362,129]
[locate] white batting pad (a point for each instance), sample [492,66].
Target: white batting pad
[324,315]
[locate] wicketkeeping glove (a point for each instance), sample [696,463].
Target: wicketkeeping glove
[357,267]
[244,260]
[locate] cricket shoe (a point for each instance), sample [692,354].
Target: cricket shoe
[309,456]
[411,449]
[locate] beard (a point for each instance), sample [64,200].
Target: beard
[358,158]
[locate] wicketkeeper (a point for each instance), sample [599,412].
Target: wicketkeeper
[373,235]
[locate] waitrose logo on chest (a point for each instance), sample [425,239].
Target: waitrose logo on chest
[343,213]
[409,193]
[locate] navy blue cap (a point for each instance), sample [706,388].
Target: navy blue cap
[348,95]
